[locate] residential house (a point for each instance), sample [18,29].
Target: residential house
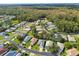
[72,52]
[64,37]
[3,51]
[19,54]
[26,28]
[27,38]
[33,41]
[50,25]
[2,33]
[11,53]
[61,47]
[48,44]
[70,38]
[41,43]
[1,45]
[39,28]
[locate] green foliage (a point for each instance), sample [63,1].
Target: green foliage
[69,45]
[53,49]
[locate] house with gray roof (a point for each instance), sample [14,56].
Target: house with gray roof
[50,25]
[48,44]
[61,47]
[27,38]
[41,43]
[11,53]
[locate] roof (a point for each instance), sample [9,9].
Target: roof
[2,50]
[72,52]
[1,46]
[11,53]
[38,28]
[41,43]
[61,47]
[27,38]
[70,38]
[2,33]
[27,28]
[64,36]
[51,25]
[19,54]
[33,41]
[49,43]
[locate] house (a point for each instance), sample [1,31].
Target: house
[19,54]
[50,25]
[41,43]
[11,53]
[27,28]
[48,44]
[23,35]
[3,51]
[72,52]
[27,38]
[61,47]
[70,38]
[2,33]
[1,45]
[33,41]
[8,30]
[6,37]
[64,37]
[12,28]
[39,28]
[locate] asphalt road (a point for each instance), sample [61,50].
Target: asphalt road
[32,51]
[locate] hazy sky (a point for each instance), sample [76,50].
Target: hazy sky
[37,1]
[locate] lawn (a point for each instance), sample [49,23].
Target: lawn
[35,47]
[15,22]
[27,44]
[1,37]
[17,41]
[30,34]
[63,53]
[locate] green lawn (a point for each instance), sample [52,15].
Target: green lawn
[27,44]
[1,37]
[17,41]
[30,34]
[15,22]
[35,47]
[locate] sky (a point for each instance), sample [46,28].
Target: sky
[36,1]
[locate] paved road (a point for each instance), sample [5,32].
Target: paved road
[32,51]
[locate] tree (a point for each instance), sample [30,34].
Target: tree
[33,30]
[54,48]
[68,45]
[21,37]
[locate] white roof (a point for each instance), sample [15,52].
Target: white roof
[49,43]
[70,38]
